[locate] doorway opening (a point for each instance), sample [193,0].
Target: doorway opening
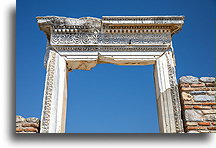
[112,99]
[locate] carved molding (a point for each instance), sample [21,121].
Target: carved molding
[88,27]
[48,92]
[113,48]
[175,96]
[109,38]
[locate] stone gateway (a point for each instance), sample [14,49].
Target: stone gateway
[123,40]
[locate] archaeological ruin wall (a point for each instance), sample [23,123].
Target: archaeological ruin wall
[187,107]
[198,104]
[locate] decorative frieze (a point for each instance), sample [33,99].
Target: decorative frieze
[110,38]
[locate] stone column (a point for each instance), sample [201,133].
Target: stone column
[169,109]
[55,95]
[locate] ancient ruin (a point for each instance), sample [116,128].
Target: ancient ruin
[123,40]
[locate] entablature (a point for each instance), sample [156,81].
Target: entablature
[122,40]
[110,29]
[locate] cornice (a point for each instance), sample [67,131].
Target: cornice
[89,24]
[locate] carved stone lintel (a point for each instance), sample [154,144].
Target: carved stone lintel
[110,30]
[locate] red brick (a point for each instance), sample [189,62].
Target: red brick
[212,88]
[184,85]
[195,128]
[198,85]
[188,107]
[19,129]
[198,89]
[213,123]
[30,125]
[202,107]
[31,129]
[212,128]
[204,123]
[210,84]
[208,103]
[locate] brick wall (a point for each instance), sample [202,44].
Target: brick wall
[198,104]
[28,125]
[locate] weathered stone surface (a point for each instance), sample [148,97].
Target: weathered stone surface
[19,124]
[33,120]
[210,84]
[204,131]
[198,89]
[186,96]
[192,132]
[198,92]
[19,119]
[191,123]
[200,111]
[209,112]
[189,79]
[29,125]
[193,115]
[31,129]
[211,92]
[188,102]
[207,79]
[204,98]
[198,85]
[211,117]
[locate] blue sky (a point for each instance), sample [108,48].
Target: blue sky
[110,98]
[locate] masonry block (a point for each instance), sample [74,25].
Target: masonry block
[27,125]
[197,97]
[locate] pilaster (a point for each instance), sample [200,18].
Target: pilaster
[169,109]
[55,95]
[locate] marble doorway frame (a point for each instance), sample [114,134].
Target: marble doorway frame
[114,40]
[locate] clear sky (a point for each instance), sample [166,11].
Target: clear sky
[110,98]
